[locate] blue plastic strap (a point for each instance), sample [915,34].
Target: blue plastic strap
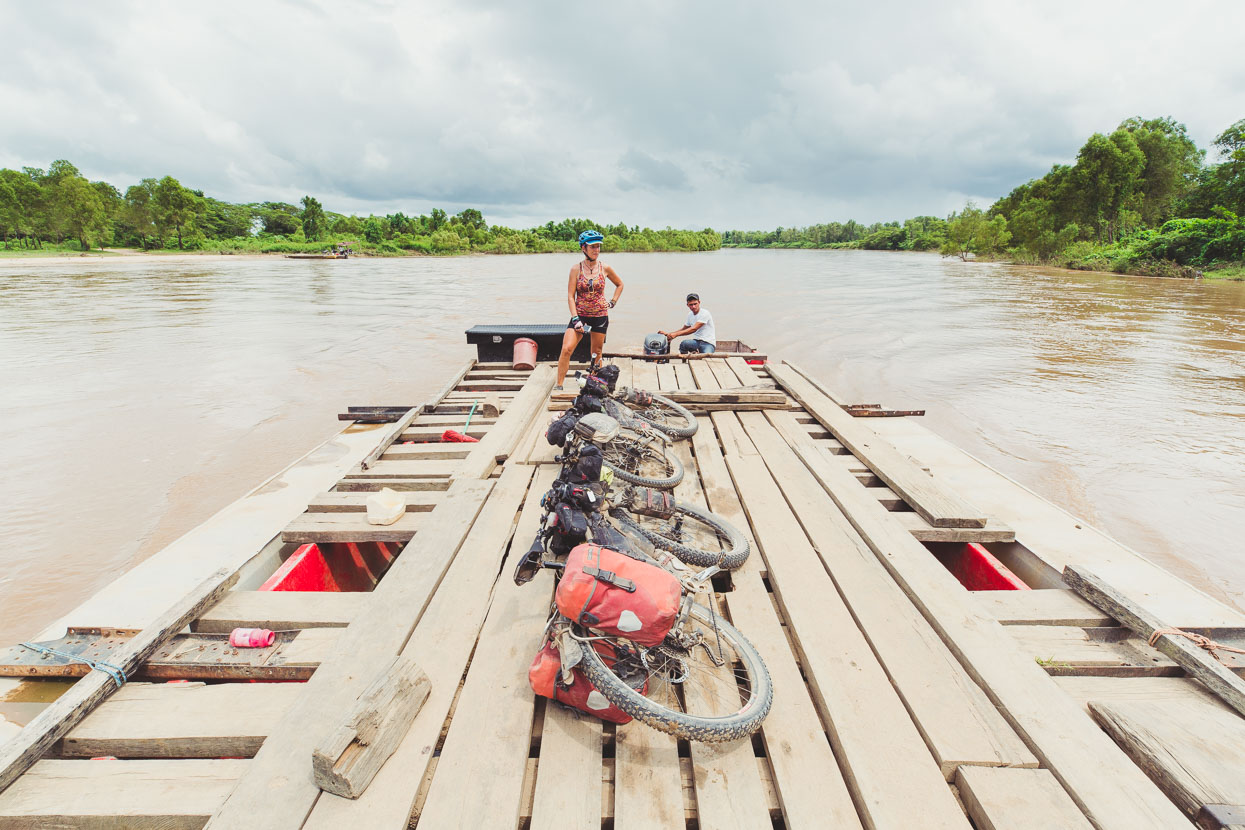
[117,673]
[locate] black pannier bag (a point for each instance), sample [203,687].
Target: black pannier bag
[588,467]
[609,374]
[570,527]
[559,429]
[588,403]
[595,387]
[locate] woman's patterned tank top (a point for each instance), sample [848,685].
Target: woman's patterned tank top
[590,293]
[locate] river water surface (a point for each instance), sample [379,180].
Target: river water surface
[139,396]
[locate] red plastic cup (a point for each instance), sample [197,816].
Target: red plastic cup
[251,638]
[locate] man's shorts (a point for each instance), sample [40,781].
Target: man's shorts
[592,324]
[702,346]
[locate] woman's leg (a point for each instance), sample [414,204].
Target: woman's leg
[569,341]
[597,339]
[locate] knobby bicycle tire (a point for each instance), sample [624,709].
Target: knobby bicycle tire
[661,533]
[631,468]
[667,416]
[666,709]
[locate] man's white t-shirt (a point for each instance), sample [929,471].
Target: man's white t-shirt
[705,332]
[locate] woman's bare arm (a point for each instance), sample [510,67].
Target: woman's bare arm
[613,277]
[570,293]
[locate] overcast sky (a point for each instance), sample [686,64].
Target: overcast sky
[690,114]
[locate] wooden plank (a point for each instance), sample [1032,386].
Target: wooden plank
[281,610]
[350,527]
[417,501]
[729,792]
[432,434]
[704,376]
[958,722]
[273,797]
[181,720]
[647,786]
[923,531]
[423,452]
[1124,689]
[806,775]
[1102,781]
[683,376]
[441,644]
[119,795]
[665,378]
[435,468]
[26,747]
[747,377]
[396,430]
[1115,651]
[895,780]
[1195,753]
[726,377]
[1049,606]
[626,372]
[568,781]
[644,375]
[1196,661]
[371,485]
[1017,799]
[496,703]
[345,762]
[938,506]
[505,434]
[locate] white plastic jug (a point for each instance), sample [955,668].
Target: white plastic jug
[385,507]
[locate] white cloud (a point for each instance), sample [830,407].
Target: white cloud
[691,114]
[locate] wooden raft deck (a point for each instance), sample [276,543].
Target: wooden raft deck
[902,700]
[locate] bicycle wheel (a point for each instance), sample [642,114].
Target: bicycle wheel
[697,537]
[647,465]
[706,682]
[667,416]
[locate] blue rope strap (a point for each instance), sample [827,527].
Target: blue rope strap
[118,674]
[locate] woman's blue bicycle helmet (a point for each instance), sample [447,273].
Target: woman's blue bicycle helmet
[590,237]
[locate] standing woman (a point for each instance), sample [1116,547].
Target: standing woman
[585,296]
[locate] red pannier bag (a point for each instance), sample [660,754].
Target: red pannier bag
[618,595]
[545,674]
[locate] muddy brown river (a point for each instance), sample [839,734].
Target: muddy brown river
[140,396]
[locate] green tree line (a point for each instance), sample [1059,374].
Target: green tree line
[1142,199]
[59,206]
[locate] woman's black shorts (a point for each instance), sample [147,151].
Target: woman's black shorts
[592,324]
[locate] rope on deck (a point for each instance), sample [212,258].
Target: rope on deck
[117,673]
[1198,640]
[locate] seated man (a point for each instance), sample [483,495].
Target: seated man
[700,325]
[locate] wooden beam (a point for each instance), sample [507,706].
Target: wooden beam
[1196,661]
[958,722]
[50,725]
[502,439]
[1017,799]
[1047,606]
[350,527]
[1102,781]
[281,610]
[119,795]
[346,761]
[182,720]
[417,501]
[1194,752]
[923,531]
[273,796]
[938,506]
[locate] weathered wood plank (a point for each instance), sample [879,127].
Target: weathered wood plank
[958,722]
[937,505]
[433,468]
[119,795]
[502,439]
[923,531]
[371,485]
[887,764]
[350,527]
[496,703]
[417,501]
[1103,782]
[181,720]
[345,762]
[1194,752]
[666,380]
[1196,661]
[424,452]
[273,797]
[1126,689]
[644,375]
[1051,606]
[647,786]
[1017,799]
[809,783]
[414,412]
[747,377]
[37,737]
[420,433]
[281,610]
[568,781]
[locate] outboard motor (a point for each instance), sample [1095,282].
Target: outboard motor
[657,343]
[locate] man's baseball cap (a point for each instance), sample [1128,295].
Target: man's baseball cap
[691,297]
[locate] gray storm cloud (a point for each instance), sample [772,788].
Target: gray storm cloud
[691,115]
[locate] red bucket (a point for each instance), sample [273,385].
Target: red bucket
[524,354]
